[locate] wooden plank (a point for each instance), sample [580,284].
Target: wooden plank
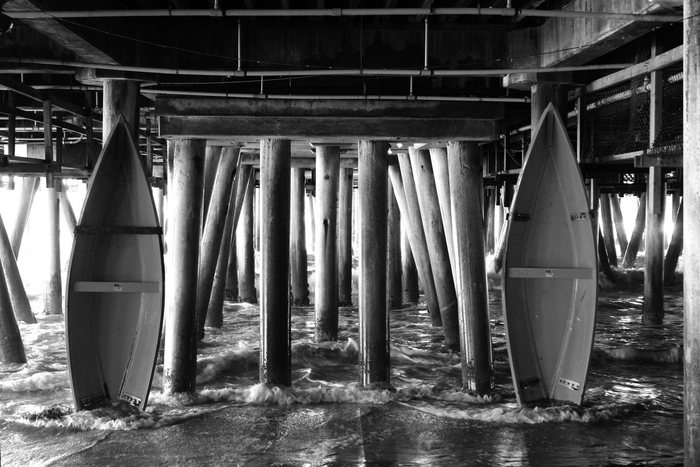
[117,287]
[669,160]
[663,60]
[336,129]
[551,273]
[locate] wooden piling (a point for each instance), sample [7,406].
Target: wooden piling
[470,273]
[691,232]
[490,220]
[185,199]
[231,288]
[326,246]
[606,226]
[637,233]
[245,246]
[212,157]
[275,316]
[53,293]
[67,211]
[393,252]
[675,247]
[30,185]
[120,98]
[15,288]
[374,319]
[409,272]
[437,245]
[298,256]
[412,225]
[653,307]
[438,159]
[619,223]
[345,237]
[215,308]
[11,347]
[213,231]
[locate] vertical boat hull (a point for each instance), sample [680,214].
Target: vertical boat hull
[114,296]
[550,272]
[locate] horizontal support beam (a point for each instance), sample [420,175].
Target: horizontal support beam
[663,60]
[668,160]
[299,162]
[331,108]
[326,129]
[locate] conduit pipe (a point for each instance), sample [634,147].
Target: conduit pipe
[359,97]
[317,72]
[338,12]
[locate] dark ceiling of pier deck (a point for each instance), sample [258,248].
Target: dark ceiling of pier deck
[281,44]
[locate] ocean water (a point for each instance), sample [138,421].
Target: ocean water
[632,412]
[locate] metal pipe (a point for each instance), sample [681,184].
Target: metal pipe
[425,46]
[353,97]
[239,45]
[320,72]
[337,12]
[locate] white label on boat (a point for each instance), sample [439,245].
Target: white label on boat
[573,385]
[548,273]
[117,286]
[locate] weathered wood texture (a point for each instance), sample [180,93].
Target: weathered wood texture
[393,252]
[606,226]
[345,237]
[53,294]
[326,243]
[438,159]
[298,256]
[246,251]
[675,247]
[691,229]
[15,287]
[374,319]
[212,156]
[470,274]
[120,98]
[275,315]
[215,309]
[637,233]
[30,185]
[409,272]
[619,223]
[11,347]
[437,246]
[410,217]
[221,198]
[185,193]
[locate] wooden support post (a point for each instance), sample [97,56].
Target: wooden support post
[470,274]
[438,159]
[213,231]
[30,185]
[675,247]
[691,229]
[212,156]
[67,211]
[311,209]
[345,237]
[541,95]
[120,98]
[606,225]
[231,288]
[437,246]
[185,199]
[245,246]
[326,246]
[298,257]
[410,217]
[15,288]
[11,347]
[275,316]
[603,261]
[374,319]
[490,220]
[215,308]
[393,252]
[653,307]
[53,293]
[637,233]
[409,272]
[619,222]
